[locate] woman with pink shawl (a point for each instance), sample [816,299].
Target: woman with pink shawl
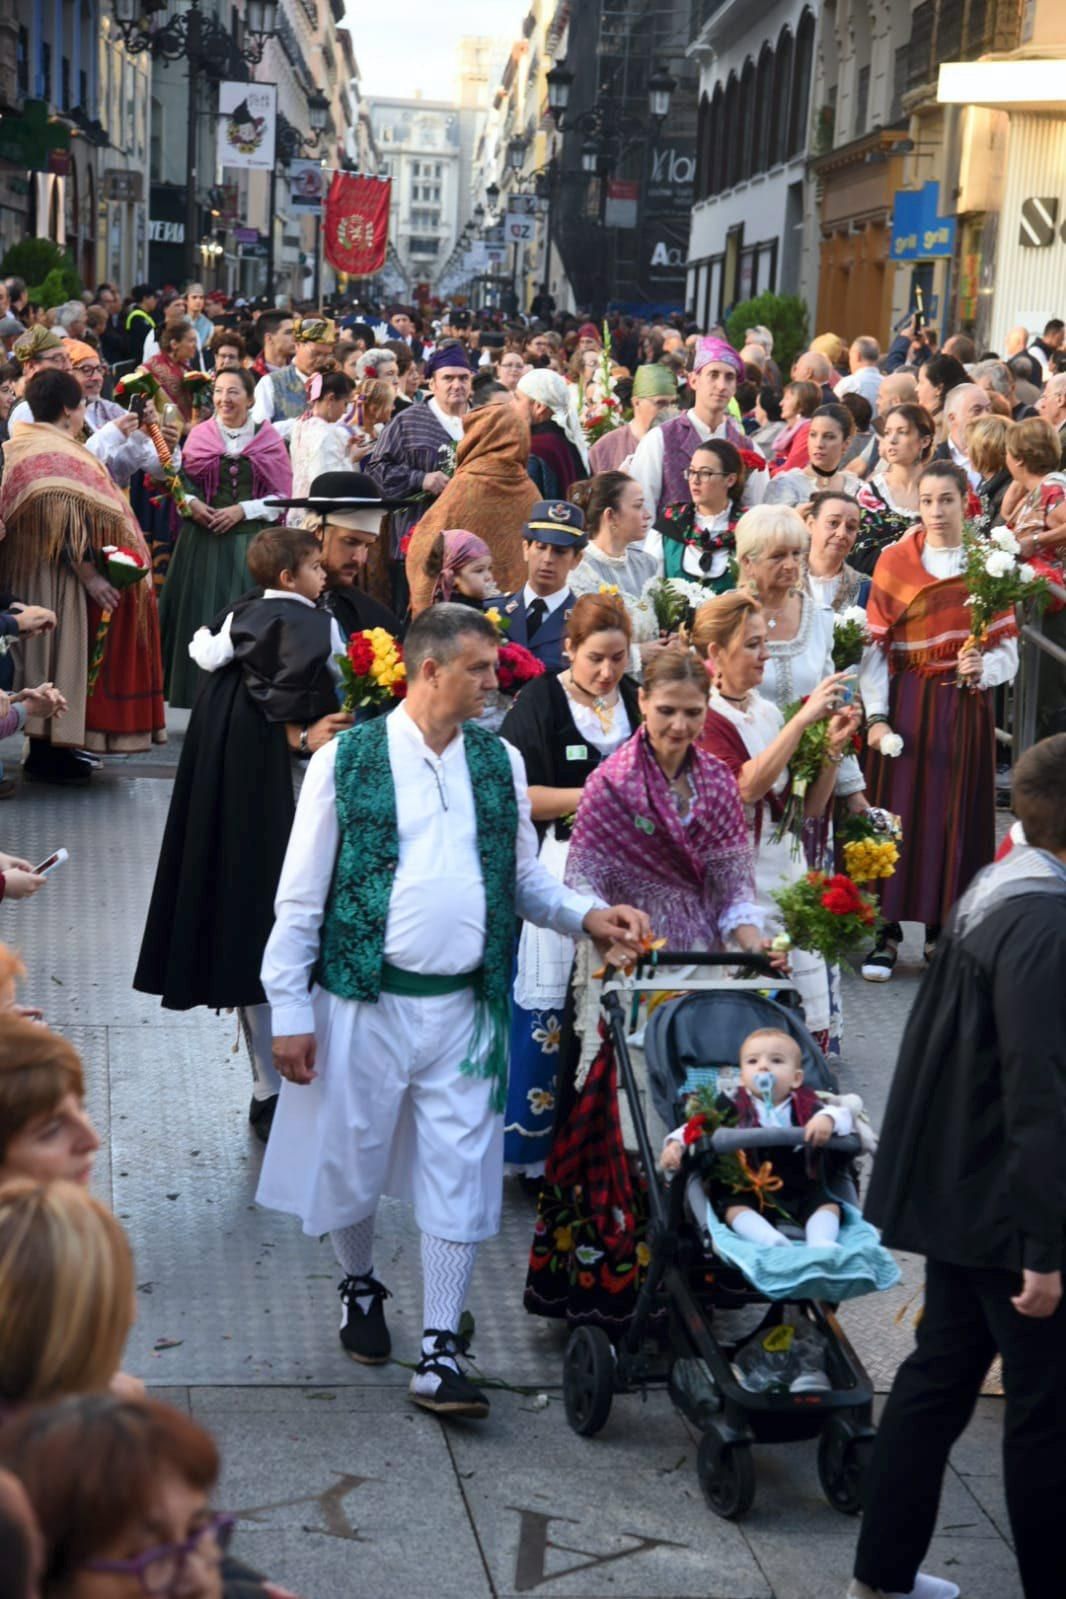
[229,468]
[663,818]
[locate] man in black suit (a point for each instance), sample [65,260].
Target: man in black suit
[536,614]
[350,507]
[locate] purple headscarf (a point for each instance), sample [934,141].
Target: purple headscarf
[711,349]
[630,846]
[460,548]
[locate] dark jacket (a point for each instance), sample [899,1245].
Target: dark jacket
[972,1164]
[283,649]
[541,728]
[547,643]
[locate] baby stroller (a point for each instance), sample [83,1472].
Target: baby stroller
[703,1029]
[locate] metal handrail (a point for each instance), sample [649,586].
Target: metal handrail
[1022,702]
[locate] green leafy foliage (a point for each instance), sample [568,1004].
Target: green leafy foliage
[786,317]
[48,272]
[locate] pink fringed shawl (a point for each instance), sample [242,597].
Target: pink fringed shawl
[629,845]
[203,452]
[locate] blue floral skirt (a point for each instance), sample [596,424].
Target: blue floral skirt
[530,1114]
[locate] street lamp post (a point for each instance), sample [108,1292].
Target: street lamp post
[608,136]
[211,51]
[289,144]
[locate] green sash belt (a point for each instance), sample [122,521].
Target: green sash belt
[425,985]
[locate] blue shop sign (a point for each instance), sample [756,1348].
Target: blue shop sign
[918,232]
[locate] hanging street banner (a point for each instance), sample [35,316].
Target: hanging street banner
[356,232]
[307,186]
[520,220]
[247,122]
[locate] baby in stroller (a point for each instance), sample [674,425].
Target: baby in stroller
[772,1093]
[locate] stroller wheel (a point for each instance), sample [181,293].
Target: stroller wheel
[843,1458]
[588,1380]
[727,1475]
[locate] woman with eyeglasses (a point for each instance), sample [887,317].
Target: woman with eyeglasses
[38,350]
[120,1490]
[696,536]
[116,437]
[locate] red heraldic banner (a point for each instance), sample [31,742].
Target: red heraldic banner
[357,224]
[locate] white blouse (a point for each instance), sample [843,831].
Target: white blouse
[588,724]
[234,442]
[796,667]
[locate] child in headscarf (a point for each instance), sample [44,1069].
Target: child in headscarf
[459,565]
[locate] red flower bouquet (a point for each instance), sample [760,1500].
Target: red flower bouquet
[515,666]
[122,568]
[829,915]
[373,671]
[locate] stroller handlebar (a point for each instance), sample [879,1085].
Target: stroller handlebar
[734,957]
[728,1139]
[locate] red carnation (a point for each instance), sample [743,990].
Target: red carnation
[516,665]
[360,654]
[695,1128]
[751,461]
[841,897]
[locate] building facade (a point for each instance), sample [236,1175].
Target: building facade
[73,136]
[623,229]
[420,147]
[879,136]
[1011,267]
[752,195]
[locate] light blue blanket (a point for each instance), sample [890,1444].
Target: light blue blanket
[859,1265]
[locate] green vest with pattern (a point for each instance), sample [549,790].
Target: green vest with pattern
[352,945]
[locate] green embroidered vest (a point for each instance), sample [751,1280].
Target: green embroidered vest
[352,947]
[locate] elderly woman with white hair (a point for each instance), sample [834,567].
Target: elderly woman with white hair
[772,544]
[558,452]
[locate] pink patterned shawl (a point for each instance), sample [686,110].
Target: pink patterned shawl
[629,845]
[203,452]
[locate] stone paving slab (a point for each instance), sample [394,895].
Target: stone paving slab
[344,1489]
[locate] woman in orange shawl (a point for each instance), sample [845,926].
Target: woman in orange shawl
[61,508]
[928,684]
[491,495]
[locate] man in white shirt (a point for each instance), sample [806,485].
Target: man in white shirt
[865,376]
[661,459]
[963,405]
[389,956]
[281,397]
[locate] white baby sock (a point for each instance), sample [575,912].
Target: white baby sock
[756,1229]
[823,1227]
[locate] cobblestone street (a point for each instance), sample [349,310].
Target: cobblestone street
[341,1487]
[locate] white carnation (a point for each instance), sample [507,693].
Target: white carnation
[999,563]
[1004,539]
[852,613]
[1026,572]
[891,745]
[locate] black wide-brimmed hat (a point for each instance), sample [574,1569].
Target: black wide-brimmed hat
[340,491]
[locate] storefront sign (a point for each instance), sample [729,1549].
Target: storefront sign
[307,186]
[918,232]
[623,198]
[124,183]
[1040,220]
[166,232]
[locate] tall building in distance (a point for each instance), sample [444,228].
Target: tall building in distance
[421,148]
